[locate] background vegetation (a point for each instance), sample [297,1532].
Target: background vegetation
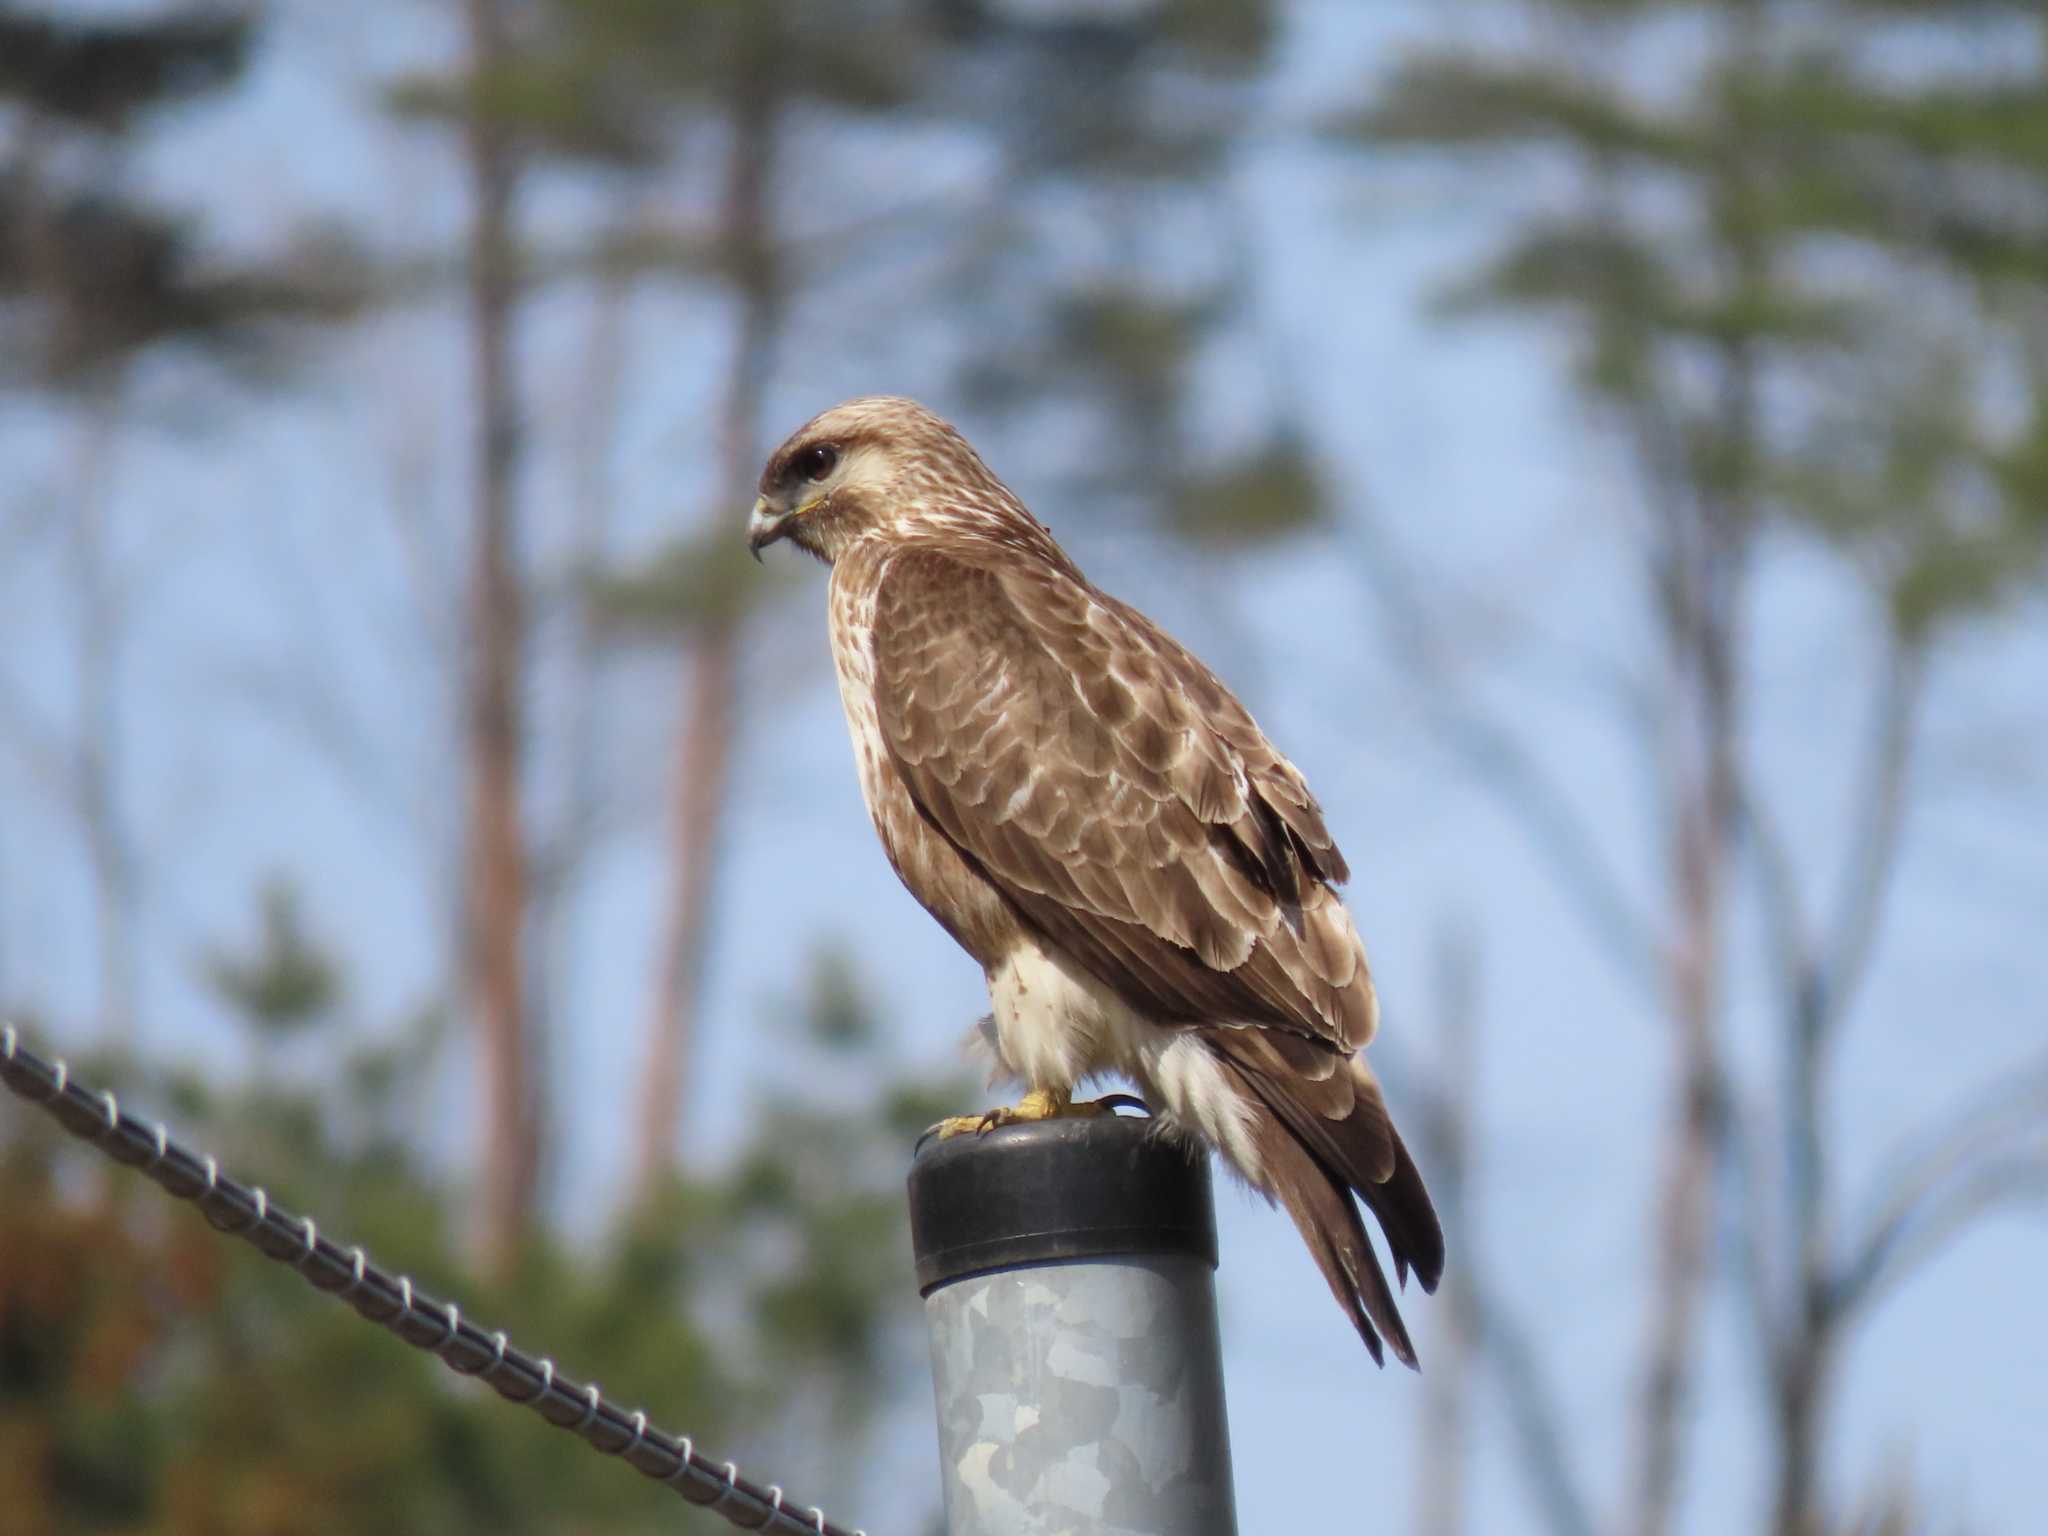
[1605,440]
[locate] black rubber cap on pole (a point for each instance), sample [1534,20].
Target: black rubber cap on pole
[1072,1188]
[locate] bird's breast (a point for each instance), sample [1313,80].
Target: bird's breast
[945,885]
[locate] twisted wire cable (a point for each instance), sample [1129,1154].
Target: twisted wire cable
[393,1301]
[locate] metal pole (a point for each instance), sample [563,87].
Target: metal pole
[1067,1269]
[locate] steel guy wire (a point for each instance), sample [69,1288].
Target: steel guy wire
[437,1327]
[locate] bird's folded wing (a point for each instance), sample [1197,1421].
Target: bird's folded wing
[1116,794]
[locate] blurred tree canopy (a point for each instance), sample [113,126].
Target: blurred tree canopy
[1708,273]
[90,273]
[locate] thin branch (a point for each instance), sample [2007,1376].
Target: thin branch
[1978,1158]
[1797,1313]
[1498,758]
[1917,1235]
[1535,1421]
[703,756]
[1533,1414]
[1881,819]
[594,428]
[413,437]
[99,748]
[1745,1220]
[1777,886]
[1443,1467]
[304,695]
[1753,1216]
[35,742]
[25,520]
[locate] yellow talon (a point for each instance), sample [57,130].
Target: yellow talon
[1038,1104]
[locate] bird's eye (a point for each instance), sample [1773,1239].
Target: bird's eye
[817,461]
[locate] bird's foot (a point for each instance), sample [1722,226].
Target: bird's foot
[1039,1104]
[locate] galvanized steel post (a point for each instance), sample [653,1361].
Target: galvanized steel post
[1067,1269]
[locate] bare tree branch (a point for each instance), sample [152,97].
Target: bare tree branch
[35,742]
[1992,1151]
[1873,851]
[305,695]
[1746,1225]
[1533,1415]
[1499,759]
[413,438]
[1535,1422]
[1901,1248]
[705,722]
[1797,1325]
[577,824]
[98,746]
[498,857]
[1701,575]
[1777,887]
[1443,1469]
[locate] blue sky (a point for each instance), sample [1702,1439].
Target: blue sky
[248,530]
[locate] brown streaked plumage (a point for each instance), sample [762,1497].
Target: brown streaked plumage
[1147,884]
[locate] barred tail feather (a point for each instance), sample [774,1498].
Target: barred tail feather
[1405,1214]
[1311,1163]
[1321,1207]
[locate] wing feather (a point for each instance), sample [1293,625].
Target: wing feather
[1115,793]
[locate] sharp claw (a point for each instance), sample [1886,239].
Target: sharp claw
[1035,1106]
[956,1125]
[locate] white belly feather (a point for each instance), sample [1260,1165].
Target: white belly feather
[1054,1024]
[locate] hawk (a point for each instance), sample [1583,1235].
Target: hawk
[1147,884]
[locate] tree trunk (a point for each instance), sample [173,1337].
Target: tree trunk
[1703,580]
[1802,1353]
[1704,575]
[1684,1207]
[496,895]
[703,753]
[1801,1391]
[704,719]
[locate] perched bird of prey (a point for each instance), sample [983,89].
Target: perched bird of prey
[1147,884]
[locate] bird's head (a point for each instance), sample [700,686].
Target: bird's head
[880,465]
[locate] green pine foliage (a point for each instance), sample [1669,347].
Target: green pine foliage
[1115,271]
[103,72]
[92,275]
[1801,281]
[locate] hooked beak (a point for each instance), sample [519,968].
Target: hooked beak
[765,526]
